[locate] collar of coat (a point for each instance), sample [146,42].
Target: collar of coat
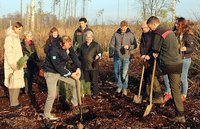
[85,30]
[119,31]
[162,31]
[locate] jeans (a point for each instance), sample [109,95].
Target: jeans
[51,80]
[184,74]
[121,67]
[167,86]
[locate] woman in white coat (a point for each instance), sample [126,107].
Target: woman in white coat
[14,78]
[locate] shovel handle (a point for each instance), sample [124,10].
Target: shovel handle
[78,83]
[152,81]
[141,80]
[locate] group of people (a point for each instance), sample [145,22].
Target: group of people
[172,49]
[157,43]
[84,52]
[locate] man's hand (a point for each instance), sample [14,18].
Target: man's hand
[97,57]
[155,55]
[126,47]
[75,76]
[183,49]
[78,72]
[147,57]
[25,65]
[143,56]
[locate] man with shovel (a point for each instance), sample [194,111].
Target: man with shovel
[165,48]
[55,69]
[146,52]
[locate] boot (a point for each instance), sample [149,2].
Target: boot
[76,111]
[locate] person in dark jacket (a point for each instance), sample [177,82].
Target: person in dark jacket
[146,42]
[55,69]
[90,53]
[53,38]
[186,43]
[28,49]
[121,44]
[165,48]
[80,34]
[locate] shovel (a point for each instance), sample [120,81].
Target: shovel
[78,90]
[148,108]
[138,98]
[78,84]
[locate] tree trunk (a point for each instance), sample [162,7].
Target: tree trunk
[173,11]
[27,19]
[118,12]
[128,10]
[64,10]
[32,15]
[21,9]
[54,7]
[84,7]
[144,10]
[75,8]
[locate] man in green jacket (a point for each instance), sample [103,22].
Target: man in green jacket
[80,34]
[165,48]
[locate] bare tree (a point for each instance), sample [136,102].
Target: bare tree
[39,14]
[75,8]
[155,7]
[128,10]
[118,11]
[173,10]
[64,10]
[144,8]
[54,7]
[84,3]
[32,15]
[21,8]
[27,19]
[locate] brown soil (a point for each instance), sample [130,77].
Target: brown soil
[112,111]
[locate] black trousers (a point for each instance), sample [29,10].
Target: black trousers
[92,76]
[28,77]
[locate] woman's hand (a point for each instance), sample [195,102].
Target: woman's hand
[13,67]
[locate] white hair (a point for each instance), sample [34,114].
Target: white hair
[90,33]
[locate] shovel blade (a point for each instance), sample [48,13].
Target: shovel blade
[148,110]
[137,99]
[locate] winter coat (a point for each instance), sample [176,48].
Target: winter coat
[165,43]
[117,42]
[188,42]
[87,55]
[79,37]
[146,42]
[29,50]
[57,59]
[49,42]
[12,53]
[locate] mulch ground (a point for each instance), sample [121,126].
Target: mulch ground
[111,111]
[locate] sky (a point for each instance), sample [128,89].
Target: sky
[187,8]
